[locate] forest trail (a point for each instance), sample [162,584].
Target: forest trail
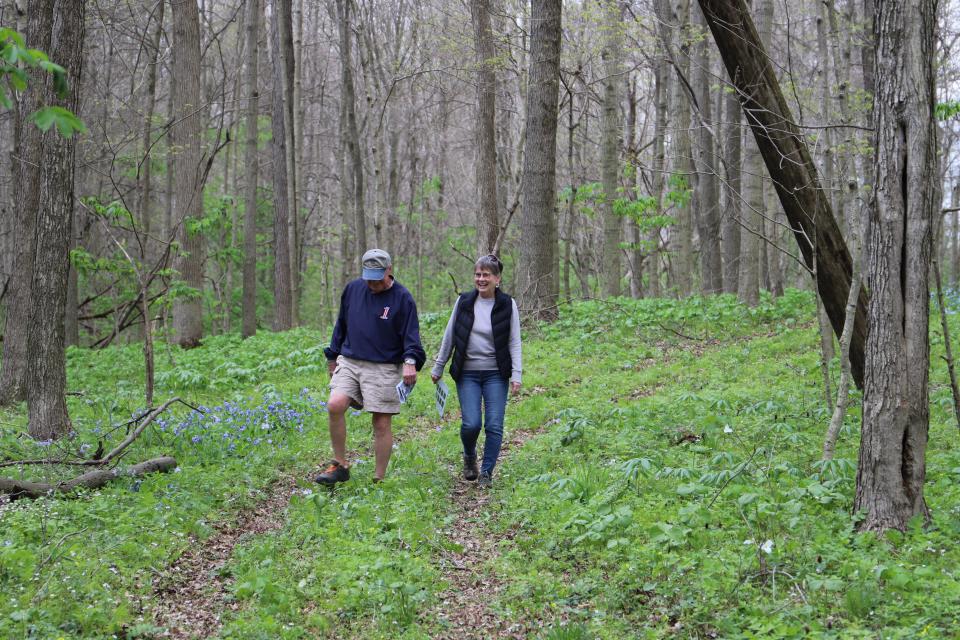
[191,597]
[467,564]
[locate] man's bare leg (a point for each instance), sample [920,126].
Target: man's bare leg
[382,443]
[336,409]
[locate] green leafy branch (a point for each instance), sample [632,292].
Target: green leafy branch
[16,59]
[947,110]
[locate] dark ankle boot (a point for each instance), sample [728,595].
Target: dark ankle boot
[470,470]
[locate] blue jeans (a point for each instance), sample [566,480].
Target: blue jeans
[491,388]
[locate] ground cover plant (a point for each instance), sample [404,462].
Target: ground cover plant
[669,485]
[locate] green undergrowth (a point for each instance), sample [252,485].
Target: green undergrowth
[673,489]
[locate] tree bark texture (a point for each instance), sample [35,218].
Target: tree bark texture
[283,18]
[892,464]
[186,136]
[610,145]
[537,272]
[350,134]
[46,378]
[789,164]
[249,305]
[730,220]
[670,20]
[282,290]
[488,219]
[662,92]
[26,192]
[89,480]
[707,195]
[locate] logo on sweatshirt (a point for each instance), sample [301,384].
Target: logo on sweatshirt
[384,315]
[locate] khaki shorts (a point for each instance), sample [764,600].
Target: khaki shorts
[371,385]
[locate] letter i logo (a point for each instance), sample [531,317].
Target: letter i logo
[386,310]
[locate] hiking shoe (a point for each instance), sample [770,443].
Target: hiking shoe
[470,468]
[334,473]
[484,481]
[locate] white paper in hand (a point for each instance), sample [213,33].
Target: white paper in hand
[442,392]
[403,391]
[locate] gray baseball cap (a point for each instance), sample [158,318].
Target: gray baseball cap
[375,264]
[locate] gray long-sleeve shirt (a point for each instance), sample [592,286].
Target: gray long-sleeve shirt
[481,353]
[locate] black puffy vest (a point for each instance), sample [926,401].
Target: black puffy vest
[500,323]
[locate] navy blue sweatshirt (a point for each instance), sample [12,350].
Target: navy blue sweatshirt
[377,327]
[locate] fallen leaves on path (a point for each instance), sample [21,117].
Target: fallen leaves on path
[463,610]
[190,596]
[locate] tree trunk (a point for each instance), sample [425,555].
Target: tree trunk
[488,219]
[186,136]
[731,219]
[149,103]
[789,164]
[752,234]
[249,322]
[662,92]
[28,157]
[707,194]
[349,131]
[286,70]
[670,20]
[537,273]
[610,145]
[282,291]
[47,365]
[892,464]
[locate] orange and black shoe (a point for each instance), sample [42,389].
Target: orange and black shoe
[334,473]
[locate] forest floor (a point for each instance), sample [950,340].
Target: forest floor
[660,478]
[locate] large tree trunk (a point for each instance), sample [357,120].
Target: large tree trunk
[47,367]
[249,322]
[707,195]
[488,220]
[286,72]
[350,134]
[282,290]
[662,92]
[610,145]
[731,218]
[186,136]
[26,191]
[892,464]
[789,164]
[672,20]
[537,273]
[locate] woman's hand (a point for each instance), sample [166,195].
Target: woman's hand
[515,388]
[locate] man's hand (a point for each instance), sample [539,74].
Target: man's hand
[331,366]
[435,378]
[409,374]
[514,388]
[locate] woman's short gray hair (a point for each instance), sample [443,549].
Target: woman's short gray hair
[490,262]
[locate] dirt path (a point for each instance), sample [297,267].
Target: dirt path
[190,600]
[463,610]
[191,596]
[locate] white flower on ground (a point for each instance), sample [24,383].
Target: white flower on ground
[727,428]
[767,546]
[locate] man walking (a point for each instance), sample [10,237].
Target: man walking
[375,343]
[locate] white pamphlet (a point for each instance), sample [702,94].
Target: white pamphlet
[442,392]
[403,390]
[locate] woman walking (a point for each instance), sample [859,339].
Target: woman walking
[483,335]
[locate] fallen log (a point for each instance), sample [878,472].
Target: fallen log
[90,480]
